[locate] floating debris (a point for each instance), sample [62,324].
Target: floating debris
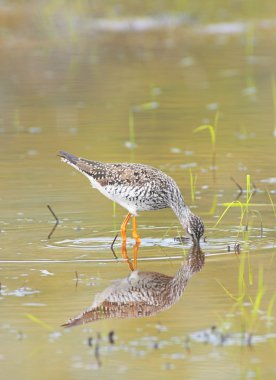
[145,107]
[181,239]
[168,366]
[53,336]
[175,150]
[130,145]
[187,344]
[160,327]
[20,292]
[212,106]
[237,248]
[45,272]
[20,335]
[216,337]
[34,130]
[270,180]
[34,304]
[187,61]
[139,24]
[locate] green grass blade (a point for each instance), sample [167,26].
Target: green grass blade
[131,128]
[211,130]
[114,209]
[226,210]
[273,83]
[248,188]
[271,201]
[236,299]
[213,206]
[270,306]
[192,184]
[39,322]
[241,282]
[217,116]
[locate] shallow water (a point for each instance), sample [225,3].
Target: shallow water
[67,85]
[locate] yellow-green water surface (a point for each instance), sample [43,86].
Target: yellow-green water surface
[119,83]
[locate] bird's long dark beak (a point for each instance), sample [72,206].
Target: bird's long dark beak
[196,241]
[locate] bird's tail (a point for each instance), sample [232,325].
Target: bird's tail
[89,315]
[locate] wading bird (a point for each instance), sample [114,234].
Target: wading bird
[137,187]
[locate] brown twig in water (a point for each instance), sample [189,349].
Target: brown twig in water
[111,337]
[112,249]
[90,341]
[181,239]
[187,344]
[254,189]
[238,186]
[262,229]
[57,221]
[249,341]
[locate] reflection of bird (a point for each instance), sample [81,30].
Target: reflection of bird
[137,187]
[141,294]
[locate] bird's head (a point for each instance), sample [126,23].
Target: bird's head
[195,228]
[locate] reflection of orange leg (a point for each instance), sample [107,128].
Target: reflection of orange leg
[134,231]
[125,256]
[123,227]
[135,255]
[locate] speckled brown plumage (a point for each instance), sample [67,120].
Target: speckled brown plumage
[137,187]
[141,294]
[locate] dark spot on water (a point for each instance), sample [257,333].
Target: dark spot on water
[156,345]
[111,337]
[90,341]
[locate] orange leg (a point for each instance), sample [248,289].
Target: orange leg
[131,266]
[125,256]
[123,227]
[135,255]
[134,231]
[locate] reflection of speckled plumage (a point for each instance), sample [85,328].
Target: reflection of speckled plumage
[137,187]
[141,294]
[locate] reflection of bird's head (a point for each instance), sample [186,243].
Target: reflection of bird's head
[195,228]
[196,258]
